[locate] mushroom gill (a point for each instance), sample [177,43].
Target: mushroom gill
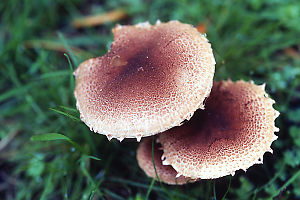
[165,174]
[233,132]
[152,79]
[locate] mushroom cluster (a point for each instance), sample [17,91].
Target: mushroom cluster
[153,80]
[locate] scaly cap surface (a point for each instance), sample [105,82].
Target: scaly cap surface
[233,132]
[152,79]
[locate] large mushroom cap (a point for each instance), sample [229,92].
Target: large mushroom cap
[165,174]
[233,132]
[152,79]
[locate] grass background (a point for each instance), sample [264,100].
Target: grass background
[252,40]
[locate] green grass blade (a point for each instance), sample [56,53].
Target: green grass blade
[146,186]
[92,195]
[69,109]
[49,137]
[135,184]
[291,180]
[228,188]
[93,157]
[56,136]
[54,74]
[18,91]
[89,177]
[153,160]
[64,41]
[112,194]
[271,181]
[166,191]
[66,114]
[214,190]
[149,189]
[48,187]
[72,84]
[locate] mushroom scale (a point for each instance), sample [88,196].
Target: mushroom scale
[233,132]
[152,79]
[166,174]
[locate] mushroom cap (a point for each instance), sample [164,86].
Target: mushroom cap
[165,174]
[233,132]
[152,79]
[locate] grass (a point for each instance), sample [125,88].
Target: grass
[252,40]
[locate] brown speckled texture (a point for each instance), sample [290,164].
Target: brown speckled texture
[233,132]
[152,79]
[166,174]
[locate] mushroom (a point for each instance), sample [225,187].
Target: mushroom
[233,132]
[152,79]
[165,173]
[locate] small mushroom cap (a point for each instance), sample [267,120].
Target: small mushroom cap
[165,173]
[233,132]
[152,79]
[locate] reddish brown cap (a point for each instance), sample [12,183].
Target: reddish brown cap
[233,132]
[152,79]
[165,173]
